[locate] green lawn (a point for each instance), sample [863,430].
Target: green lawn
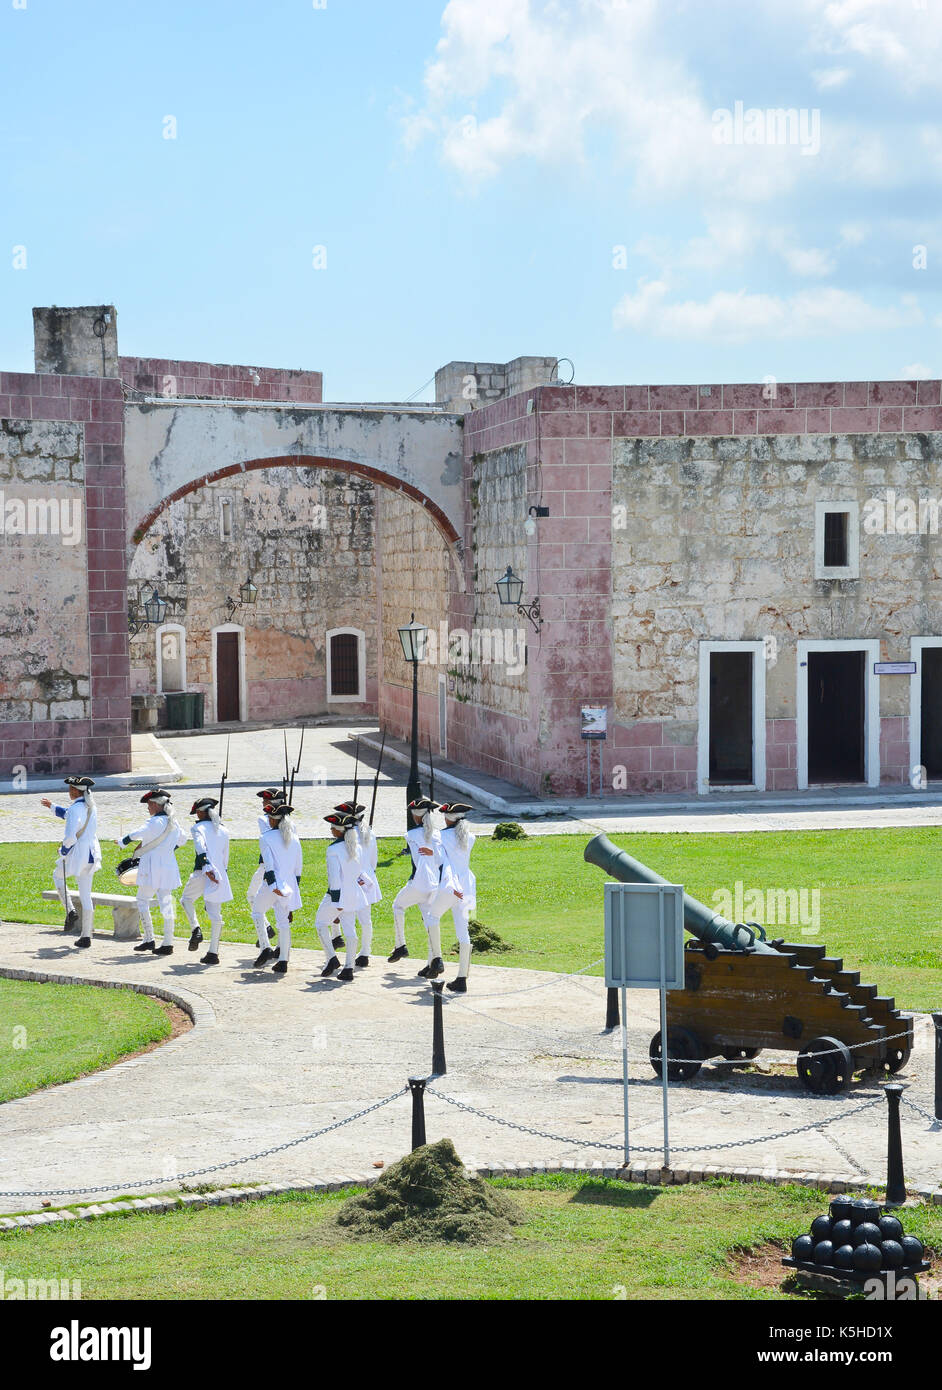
[52,1033]
[582,1238]
[880,894]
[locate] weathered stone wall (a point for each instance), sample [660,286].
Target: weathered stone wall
[416,576]
[306,538]
[469,385]
[80,341]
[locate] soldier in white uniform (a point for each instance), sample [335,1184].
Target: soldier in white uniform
[282,866]
[460,899]
[210,877]
[268,795]
[157,873]
[346,894]
[372,890]
[425,881]
[79,854]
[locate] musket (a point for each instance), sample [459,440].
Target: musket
[431,771]
[376,778]
[356,779]
[222,784]
[297,768]
[284,782]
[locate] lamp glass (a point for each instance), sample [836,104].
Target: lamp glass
[248,592]
[510,588]
[412,637]
[155,609]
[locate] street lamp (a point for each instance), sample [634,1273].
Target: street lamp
[412,636]
[155,609]
[247,596]
[510,591]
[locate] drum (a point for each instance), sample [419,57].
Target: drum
[127,872]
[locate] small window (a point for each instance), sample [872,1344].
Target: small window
[225,519]
[836,540]
[346,664]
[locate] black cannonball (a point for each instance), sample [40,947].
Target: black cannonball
[802,1248]
[841,1209]
[913,1249]
[821,1227]
[894,1257]
[824,1253]
[890,1228]
[868,1257]
[842,1233]
[867,1233]
[866,1209]
[844,1257]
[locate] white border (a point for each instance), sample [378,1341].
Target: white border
[852,569]
[361,667]
[871,647]
[243,690]
[917,645]
[758,716]
[170,627]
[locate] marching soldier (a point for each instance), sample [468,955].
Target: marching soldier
[79,854]
[345,897]
[268,796]
[372,890]
[424,883]
[461,898]
[157,873]
[282,866]
[210,878]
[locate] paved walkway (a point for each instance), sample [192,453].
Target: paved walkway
[272,1059]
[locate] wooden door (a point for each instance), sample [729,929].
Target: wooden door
[228,705]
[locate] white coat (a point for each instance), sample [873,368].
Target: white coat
[370,850]
[80,847]
[283,864]
[343,874]
[213,842]
[158,869]
[429,875]
[459,862]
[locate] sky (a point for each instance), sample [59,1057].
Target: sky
[373,188]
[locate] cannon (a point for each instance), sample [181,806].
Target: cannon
[743,993]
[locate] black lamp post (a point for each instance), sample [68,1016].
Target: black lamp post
[510,591]
[412,637]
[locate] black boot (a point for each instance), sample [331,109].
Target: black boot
[280,967]
[459,984]
[398,953]
[337,942]
[196,936]
[83,941]
[71,920]
[363,960]
[346,973]
[436,968]
[146,946]
[263,959]
[332,965]
[164,951]
[272,933]
[210,958]
[424,971]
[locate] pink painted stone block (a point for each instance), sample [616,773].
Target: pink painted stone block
[855,420]
[637,759]
[556,398]
[781,730]
[893,393]
[662,759]
[819,393]
[891,418]
[565,423]
[600,397]
[685,757]
[780,422]
[818,420]
[638,398]
[588,504]
[856,393]
[673,397]
[922,417]
[648,733]
[708,422]
[744,396]
[929,392]
[745,421]
[632,423]
[600,424]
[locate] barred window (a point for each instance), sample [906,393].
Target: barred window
[344,665]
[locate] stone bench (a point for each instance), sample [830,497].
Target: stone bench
[127,923]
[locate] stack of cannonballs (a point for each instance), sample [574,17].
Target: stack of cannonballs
[857,1240]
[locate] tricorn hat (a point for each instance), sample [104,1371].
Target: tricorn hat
[456,810]
[350,808]
[336,818]
[423,803]
[269,793]
[157,794]
[279,809]
[79,782]
[205,803]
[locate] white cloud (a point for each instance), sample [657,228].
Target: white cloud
[853,233]
[827,79]
[738,316]
[903,36]
[917,371]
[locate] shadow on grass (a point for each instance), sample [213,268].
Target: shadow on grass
[596,1194]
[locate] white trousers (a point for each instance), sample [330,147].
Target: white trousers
[461,915]
[410,896]
[145,897]
[258,878]
[83,881]
[328,914]
[192,892]
[265,900]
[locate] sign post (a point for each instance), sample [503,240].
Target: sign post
[644,949]
[594,728]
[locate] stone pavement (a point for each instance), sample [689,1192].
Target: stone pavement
[256,758]
[272,1059]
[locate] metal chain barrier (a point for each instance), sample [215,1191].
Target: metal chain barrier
[677,1148]
[926,1114]
[217,1167]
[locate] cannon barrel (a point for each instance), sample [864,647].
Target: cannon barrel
[701,921]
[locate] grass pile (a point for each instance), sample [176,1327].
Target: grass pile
[427,1196]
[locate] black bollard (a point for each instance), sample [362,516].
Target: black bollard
[612,1016]
[937,1020]
[895,1181]
[438,1029]
[417,1087]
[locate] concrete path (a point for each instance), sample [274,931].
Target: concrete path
[272,1059]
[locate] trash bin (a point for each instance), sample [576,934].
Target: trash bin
[185,709]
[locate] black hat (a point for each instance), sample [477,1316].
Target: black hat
[423,803]
[157,794]
[279,810]
[269,793]
[205,803]
[335,818]
[456,810]
[350,808]
[79,782]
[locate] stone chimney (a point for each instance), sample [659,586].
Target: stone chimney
[76,342]
[465,386]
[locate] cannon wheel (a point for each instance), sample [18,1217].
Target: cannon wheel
[895,1059]
[741,1054]
[682,1045]
[825,1066]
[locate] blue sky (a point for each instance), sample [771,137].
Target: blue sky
[489,178]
